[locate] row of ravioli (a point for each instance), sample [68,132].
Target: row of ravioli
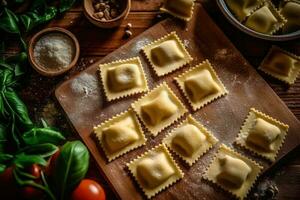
[262,16]
[259,15]
[156,169]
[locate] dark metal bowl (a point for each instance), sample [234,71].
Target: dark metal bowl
[283,37]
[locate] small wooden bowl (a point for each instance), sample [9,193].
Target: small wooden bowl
[52,72]
[89,11]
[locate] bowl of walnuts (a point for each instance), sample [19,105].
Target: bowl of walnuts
[106,13]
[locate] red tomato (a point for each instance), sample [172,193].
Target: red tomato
[51,164]
[88,190]
[7,184]
[29,192]
[35,170]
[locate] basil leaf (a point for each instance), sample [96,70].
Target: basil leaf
[3,137]
[65,5]
[19,109]
[23,160]
[18,63]
[71,167]
[42,135]
[33,19]
[43,150]
[4,158]
[2,168]
[9,21]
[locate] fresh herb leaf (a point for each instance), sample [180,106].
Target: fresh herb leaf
[42,135]
[9,21]
[43,150]
[23,160]
[33,18]
[71,166]
[2,168]
[4,158]
[65,5]
[19,109]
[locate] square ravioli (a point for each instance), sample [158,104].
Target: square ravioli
[190,140]
[155,170]
[182,9]
[120,134]
[159,108]
[201,85]
[123,78]
[281,65]
[265,19]
[167,54]
[262,135]
[233,172]
[243,8]
[290,10]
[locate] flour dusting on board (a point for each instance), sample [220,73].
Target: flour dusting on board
[84,84]
[140,44]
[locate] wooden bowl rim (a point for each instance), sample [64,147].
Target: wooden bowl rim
[122,15]
[41,69]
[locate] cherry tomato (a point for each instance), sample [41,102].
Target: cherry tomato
[51,164]
[29,192]
[88,190]
[35,170]
[7,184]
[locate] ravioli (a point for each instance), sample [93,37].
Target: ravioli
[182,9]
[262,135]
[201,85]
[233,172]
[291,11]
[190,140]
[120,134]
[281,65]
[155,170]
[243,8]
[159,108]
[167,54]
[123,78]
[266,19]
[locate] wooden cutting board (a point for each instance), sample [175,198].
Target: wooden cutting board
[83,101]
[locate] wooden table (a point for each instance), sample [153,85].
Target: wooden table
[96,43]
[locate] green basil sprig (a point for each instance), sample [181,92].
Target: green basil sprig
[71,166]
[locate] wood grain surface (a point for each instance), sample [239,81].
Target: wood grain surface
[83,101]
[96,43]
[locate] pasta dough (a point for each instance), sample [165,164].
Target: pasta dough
[281,65]
[120,134]
[262,135]
[266,19]
[167,54]
[190,140]
[291,11]
[123,78]
[242,8]
[155,170]
[182,9]
[159,108]
[201,85]
[233,172]
[152,172]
